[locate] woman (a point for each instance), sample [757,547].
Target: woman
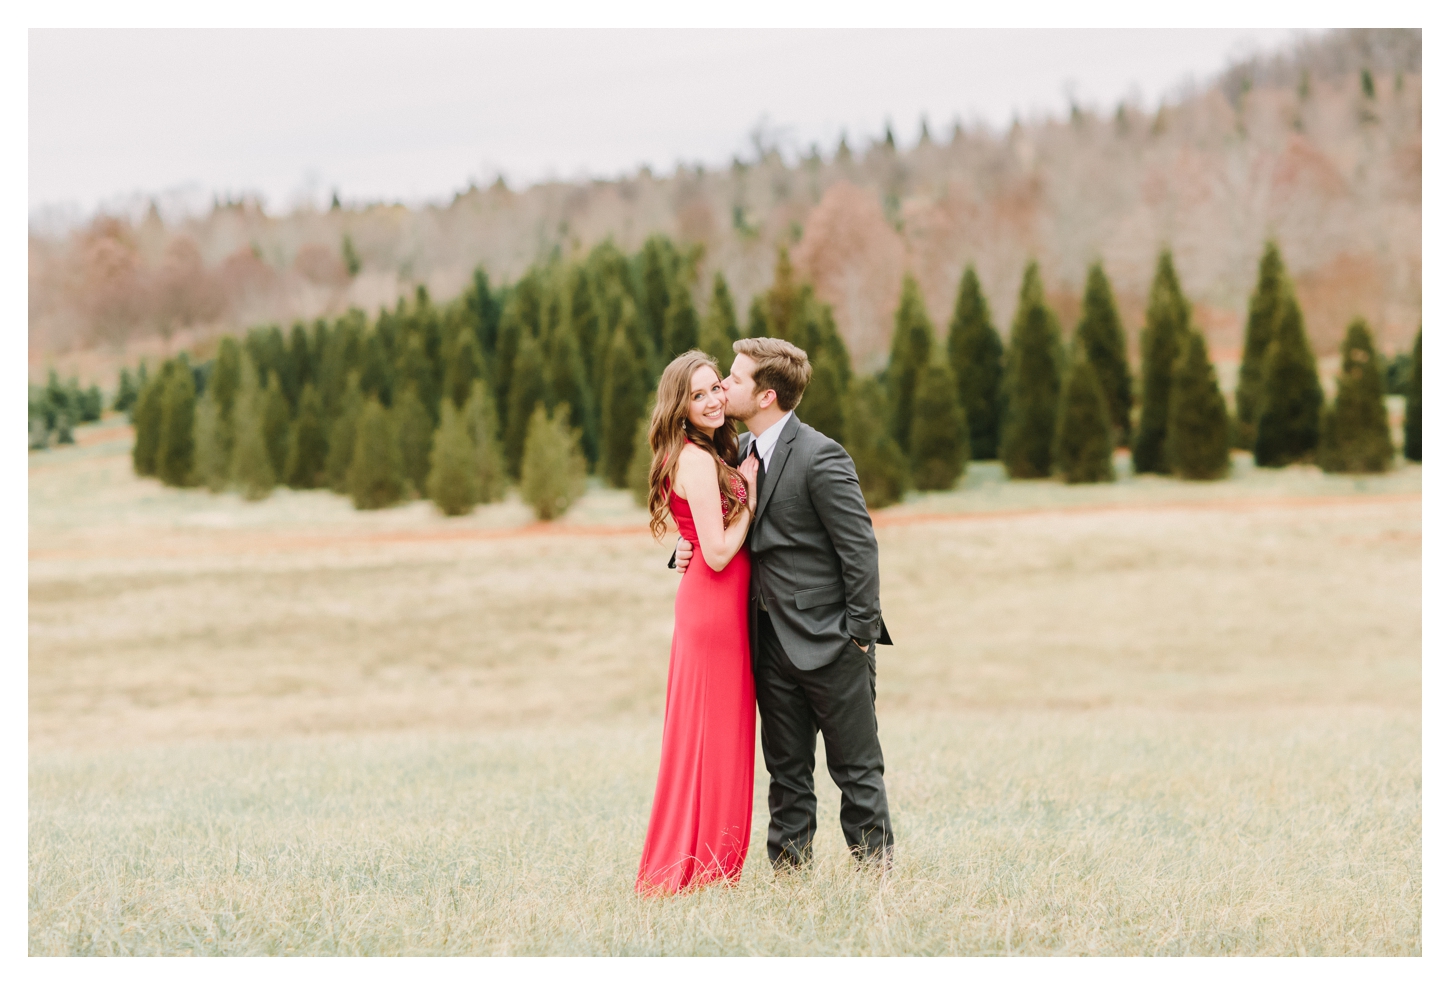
[699,827]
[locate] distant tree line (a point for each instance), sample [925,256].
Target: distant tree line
[543,381]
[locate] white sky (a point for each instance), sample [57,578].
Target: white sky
[414,114]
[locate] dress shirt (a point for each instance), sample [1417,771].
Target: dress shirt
[765,444]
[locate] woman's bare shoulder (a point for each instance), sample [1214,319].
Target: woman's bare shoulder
[695,457]
[695,464]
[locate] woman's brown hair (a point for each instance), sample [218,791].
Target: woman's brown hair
[670,428]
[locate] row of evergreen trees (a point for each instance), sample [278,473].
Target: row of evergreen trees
[57,407]
[547,379]
[1045,407]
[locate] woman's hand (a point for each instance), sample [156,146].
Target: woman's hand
[748,471]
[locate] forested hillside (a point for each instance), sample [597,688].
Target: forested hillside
[1319,148]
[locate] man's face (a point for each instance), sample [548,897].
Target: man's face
[739,386]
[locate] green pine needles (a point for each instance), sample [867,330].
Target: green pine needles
[1287,430]
[1082,445]
[1033,384]
[911,346]
[940,440]
[375,478]
[721,329]
[553,469]
[1162,336]
[453,480]
[1199,430]
[1412,406]
[1258,333]
[1355,431]
[974,350]
[881,467]
[1100,334]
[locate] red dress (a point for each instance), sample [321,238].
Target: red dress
[699,827]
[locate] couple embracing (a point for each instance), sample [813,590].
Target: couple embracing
[778,605]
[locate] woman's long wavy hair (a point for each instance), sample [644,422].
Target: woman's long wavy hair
[670,428]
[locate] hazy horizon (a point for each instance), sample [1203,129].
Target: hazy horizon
[118,118]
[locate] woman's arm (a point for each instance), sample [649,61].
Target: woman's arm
[696,476]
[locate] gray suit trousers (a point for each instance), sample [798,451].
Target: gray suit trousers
[839,700]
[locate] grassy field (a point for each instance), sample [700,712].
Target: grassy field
[1146,718]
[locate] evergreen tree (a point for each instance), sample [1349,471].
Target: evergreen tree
[178,412]
[375,477]
[464,366]
[342,433]
[641,460]
[566,384]
[1355,435]
[781,299]
[1258,334]
[621,406]
[224,385]
[881,466]
[63,433]
[376,363]
[341,356]
[415,438]
[306,466]
[911,346]
[1082,445]
[940,441]
[1033,383]
[276,421]
[297,370]
[1167,323]
[975,351]
[1199,431]
[1412,407]
[823,404]
[756,326]
[92,404]
[682,325]
[211,464]
[657,266]
[1290,402]
[453,471]
[552,473]
[481,418]
[522,315]
[1100,334]
[147,420]
[583,315]
[416,371]
[527,390]
[125,392]
[721,330]
[484,308]
[251,465]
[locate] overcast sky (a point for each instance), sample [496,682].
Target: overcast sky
[415,115]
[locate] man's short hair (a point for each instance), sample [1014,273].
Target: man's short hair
[779,366]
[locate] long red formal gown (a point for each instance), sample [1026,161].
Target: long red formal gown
[699,827]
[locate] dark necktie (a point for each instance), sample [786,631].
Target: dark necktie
[755,450]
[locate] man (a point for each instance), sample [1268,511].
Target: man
[815,611]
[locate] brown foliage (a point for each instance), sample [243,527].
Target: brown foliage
[321,265]
[855,260]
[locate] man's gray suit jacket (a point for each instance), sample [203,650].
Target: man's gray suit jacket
[813,550]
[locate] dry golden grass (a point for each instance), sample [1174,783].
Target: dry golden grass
[1113,725]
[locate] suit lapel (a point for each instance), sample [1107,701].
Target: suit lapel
[778,458]
[747,441]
